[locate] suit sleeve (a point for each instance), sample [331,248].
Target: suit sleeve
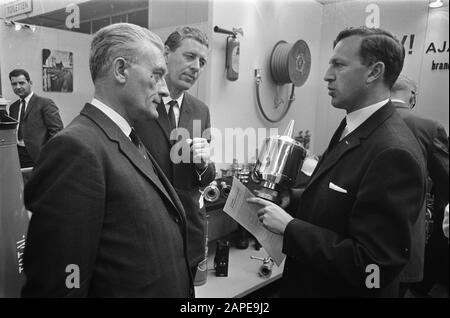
[295,195]
[380,222]
[438,162]
[13,110]
[52,119]
[66,195]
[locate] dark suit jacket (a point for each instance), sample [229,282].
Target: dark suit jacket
[336,235]
[433,141]
[98,204]
[40,123]
[155,135]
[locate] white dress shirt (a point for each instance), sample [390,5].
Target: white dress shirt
[356,118]
[114,116]
[27,100]
[176,110]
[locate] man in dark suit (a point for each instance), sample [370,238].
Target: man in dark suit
[184,119]
[351,233]
[105,220]
[433,141]
[432,137]
[38,118]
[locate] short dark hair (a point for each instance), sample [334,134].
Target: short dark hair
[17,72]
[176,37]
[378,45]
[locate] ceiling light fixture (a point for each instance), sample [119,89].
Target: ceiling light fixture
[17,26]
[20,26]
[31,27]
[436,4]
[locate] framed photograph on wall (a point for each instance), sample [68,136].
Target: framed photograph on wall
[57,71]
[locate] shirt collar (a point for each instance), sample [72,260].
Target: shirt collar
[179,100]
[398,101]
[27,99]
[356,118]
[403,104]
[114,116]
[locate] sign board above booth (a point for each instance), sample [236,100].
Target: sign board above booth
[18,7]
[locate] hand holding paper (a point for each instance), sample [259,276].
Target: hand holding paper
[246,215]
[274,218]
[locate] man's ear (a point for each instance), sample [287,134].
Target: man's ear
[376,71]
[120,69]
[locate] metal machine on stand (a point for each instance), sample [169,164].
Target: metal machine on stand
[279,161]
[13,215]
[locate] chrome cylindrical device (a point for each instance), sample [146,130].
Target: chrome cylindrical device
[244,174]
[278,164]
[225,189]
[266,268]
[13,214]
[211,192]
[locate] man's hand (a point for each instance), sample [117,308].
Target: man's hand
[274,218]
[285,197]
[201,152]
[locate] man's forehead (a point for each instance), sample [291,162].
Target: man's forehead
[191,43]
[20,78]
[351,42]
[152,52]
[346,47]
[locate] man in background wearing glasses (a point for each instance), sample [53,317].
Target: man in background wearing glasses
[433,141]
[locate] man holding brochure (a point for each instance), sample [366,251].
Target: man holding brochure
[350,235]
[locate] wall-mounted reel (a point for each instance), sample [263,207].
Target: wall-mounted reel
[289,64]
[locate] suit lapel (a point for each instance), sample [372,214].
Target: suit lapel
[185,114]
[29,106]
[14,110]
[351,141]
[332,157]
[114,133]
[185,120]
[168,186]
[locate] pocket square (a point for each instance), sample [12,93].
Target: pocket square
[334,187]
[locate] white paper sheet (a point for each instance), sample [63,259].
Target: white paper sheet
[245,214]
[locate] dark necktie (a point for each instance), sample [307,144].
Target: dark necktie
[22,114]
[335,139]
[140,146]
[171,114]
[137,142]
